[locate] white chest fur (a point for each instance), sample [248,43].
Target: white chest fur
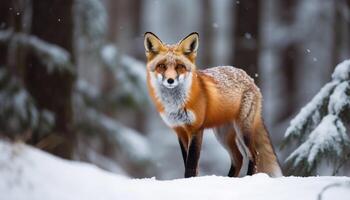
[174,100]
[178,118]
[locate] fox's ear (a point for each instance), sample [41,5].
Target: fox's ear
[152,43]
[189,44]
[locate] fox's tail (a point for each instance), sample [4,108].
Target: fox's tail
[266,157]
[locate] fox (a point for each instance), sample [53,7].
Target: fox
[223,98]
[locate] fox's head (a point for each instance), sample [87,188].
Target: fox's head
[171,65]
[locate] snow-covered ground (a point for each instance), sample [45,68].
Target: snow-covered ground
[30,174]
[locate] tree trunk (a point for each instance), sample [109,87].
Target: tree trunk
[207,35]
[52,21]
[247,35]
[288,55]
[5,6]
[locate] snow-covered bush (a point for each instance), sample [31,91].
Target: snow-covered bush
[94,107]
[130,76]
[52,56]
[119,143]
[320,128]
[19,115]
[90,21]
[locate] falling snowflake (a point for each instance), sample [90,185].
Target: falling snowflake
[248,36]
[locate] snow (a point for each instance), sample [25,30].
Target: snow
[342,71]
[30,174]
[52,56]
[215,25]
[339,100]
[87,89]
[91,21]
[134,68]
[320,126]
[132,147]
[248,36]
[17,107]
[131,150]
[132,143]
[18,111]
[329,136]
[309,113]
[129,72]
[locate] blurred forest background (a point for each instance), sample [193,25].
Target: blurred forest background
[72,72]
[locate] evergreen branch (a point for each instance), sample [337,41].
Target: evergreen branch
[344,160]
[310,116]
[52,56]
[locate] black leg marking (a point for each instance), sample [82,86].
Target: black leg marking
[193,156]
[250,168]
[183,151]
[232,171]
[251,164]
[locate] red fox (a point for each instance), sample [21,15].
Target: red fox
[223,98]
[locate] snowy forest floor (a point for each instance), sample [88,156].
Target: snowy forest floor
[28,173]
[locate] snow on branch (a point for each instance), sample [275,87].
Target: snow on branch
[310,115]
[129,73]
[131,148]
[90,22]
[131,144]
[328,140]
[339,101]
[19,115]
[320,127]
[342,71]
[126,138]
[54,57]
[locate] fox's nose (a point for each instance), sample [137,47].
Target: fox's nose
[170,81]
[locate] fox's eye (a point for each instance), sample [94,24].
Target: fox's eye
[161,67]
[180,67]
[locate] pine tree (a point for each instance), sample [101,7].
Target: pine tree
[43,68]
[320,130]
[94,108]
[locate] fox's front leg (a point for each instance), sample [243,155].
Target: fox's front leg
[183,142]
[193,154]
[184,148]
[190,144]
